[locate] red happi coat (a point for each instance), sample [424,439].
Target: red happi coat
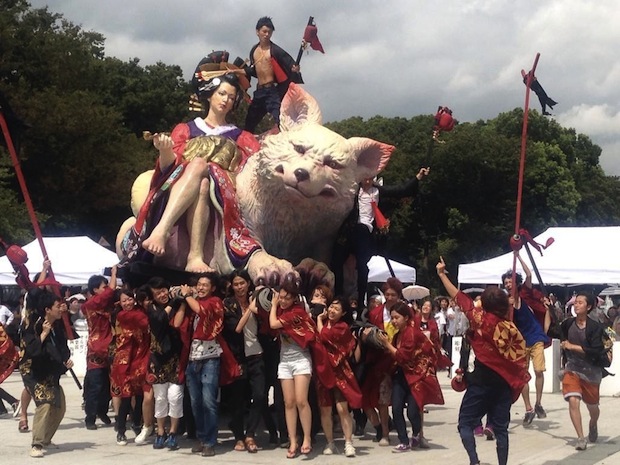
[497,343]
[131,359]
[377,363]
[208,328]
[339,343]
[442,361]
[97,311]
[9,355]
[417,357]
[300,327]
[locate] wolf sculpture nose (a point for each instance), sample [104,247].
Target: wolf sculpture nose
[301,174]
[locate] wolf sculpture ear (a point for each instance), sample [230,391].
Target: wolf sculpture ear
[372,156]
[298,107]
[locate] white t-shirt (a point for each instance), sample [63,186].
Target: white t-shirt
[6,315]
[365,199]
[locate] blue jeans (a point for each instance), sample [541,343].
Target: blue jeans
[203,379]
[495,402]
[401,397]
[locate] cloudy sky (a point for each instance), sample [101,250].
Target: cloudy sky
[397,57]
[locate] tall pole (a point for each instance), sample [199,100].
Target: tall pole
[526,111]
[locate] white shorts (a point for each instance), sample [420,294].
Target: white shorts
[168,400]
[300,364]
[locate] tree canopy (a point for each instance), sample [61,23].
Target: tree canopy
[81,149]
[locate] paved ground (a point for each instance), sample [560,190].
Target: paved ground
[547,442]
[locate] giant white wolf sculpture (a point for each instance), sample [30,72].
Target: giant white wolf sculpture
[293,194]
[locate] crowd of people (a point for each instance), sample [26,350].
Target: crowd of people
[159,355]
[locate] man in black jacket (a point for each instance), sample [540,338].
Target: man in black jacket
[275,70]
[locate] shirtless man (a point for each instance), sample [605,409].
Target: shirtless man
[274,69]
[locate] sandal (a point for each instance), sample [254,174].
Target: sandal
[292,453]
[250,445]
[23,426]
[239,446]
[306,449]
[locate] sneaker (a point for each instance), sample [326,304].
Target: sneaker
[528,417]
[105,419]
[208,451]
[401,448]
[17,408]
[540,411]
[91,426]
[121,439]
[137,429]
[489,433]
[36,452]
[414,443]
[384,442]
[424,443]
[144,434]
[171,442]
[478,431]
[159,442]
[349,449]
[330,449]
[593,433]
[581,444]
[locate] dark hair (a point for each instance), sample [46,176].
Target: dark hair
[402,309]
[95,281]
[205,89]
[157,282]
[143,292]
[347,314]
[590,300]
[45,300]
[215,280]
[508,274]
[495,300]
[394,284]
[243,274]
[327,292]
[290,286]
[265,21]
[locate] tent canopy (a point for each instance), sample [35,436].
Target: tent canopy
[74,260]
[578,256]
[378,271]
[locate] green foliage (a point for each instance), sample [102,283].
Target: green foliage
[14,222]
[466,209]
[86,114]
[84,148]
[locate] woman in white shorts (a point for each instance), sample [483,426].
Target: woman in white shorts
[295,369]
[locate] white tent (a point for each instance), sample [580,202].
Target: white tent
[74,260]
[378,271]
[578,256]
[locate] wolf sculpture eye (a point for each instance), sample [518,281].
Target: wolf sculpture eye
[333,164]
[299,148]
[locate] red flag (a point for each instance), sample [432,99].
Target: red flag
[311,38]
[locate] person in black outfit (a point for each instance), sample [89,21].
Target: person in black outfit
[356,234]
